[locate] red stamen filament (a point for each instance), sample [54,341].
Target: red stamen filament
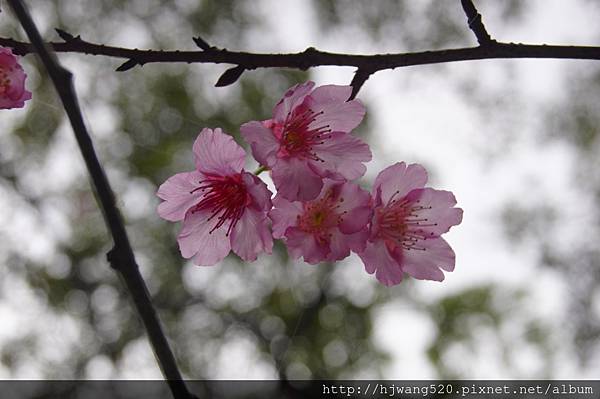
[401,223]
[298,139]
[226,197]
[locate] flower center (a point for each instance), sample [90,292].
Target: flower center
[401,224]
[225,197]
[321,215]
[298,138]
[4,80]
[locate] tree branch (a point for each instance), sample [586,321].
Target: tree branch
[476,24]
[121,257]
[312,57]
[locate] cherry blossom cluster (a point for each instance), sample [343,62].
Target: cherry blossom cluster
[319,212]
[12,81]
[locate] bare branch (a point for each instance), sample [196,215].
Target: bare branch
[312,57]
[476,24]
[121,257]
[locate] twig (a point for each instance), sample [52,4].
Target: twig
[312,57]
[476,24]
[121,257]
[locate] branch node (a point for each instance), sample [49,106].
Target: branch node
[66,36]
[112,258]
[203,44]
[476,24]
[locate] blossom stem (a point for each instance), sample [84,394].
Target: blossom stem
[260,170]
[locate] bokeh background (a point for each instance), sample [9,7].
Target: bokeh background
[517,141]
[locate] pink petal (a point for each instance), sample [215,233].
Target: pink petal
[303,244]
[260,194]
[295,180]
[284,215]
[331,93]
[378,260]
[196,240]
[291,99]
[341,244]
[425,265]
[262,141]
[357,205]
[177,195]
[356,220]
[342,153]
[15,94]
[338,246]
[441,212]
[338,116]
[7,58]
[251,236]
[217,153]
[398,178]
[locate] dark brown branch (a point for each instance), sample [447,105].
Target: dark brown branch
[476,24]
[121,257]
[312,57]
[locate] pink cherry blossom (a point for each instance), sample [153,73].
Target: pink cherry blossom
[308,139]
[326,228]
[222,206]
[12,81]
[408,221]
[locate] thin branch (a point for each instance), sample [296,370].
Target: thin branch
[121,257]
[476,24]
[312,57]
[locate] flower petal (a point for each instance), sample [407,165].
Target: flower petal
[332,109]
[260,194]
[196,239]
[295,180]
[262,141]
[291,99]
[398,178]
[303,244]
[284,215]
[217,153]
[337,116]
[338,245]
[341,244]
[438,210]
[342,153]
[425,265]
[251,235]
[7,58]
[178,196]
[378,260]
[14,93]
[356,203]
[331,93]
